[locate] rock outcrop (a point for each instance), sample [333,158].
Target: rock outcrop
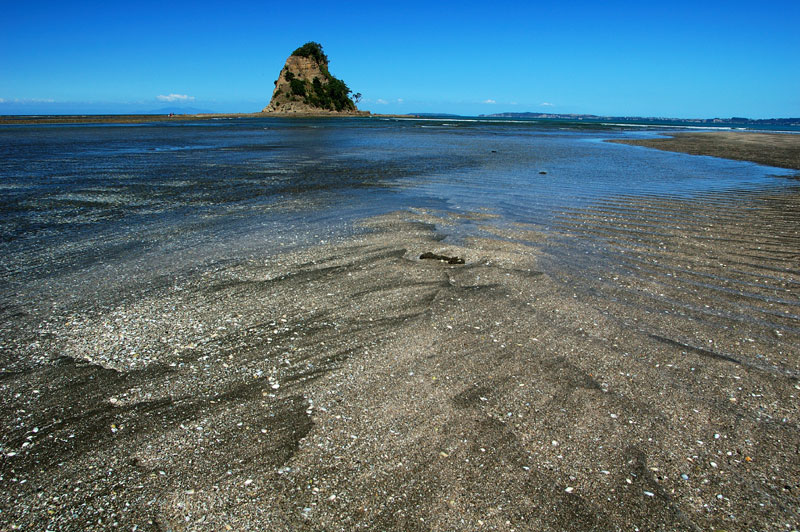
[306,86]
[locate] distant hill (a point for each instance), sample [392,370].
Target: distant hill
[733,121]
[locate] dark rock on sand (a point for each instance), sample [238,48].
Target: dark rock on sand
[444,258]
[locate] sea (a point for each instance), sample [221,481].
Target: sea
[88,209]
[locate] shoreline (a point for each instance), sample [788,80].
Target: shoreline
[781,150]
[147,118]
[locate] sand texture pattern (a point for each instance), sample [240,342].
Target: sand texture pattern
[355,386]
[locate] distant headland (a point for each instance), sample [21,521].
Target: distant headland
[733,121]
[306,86]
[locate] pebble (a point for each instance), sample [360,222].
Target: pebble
[570,489]
[649,493]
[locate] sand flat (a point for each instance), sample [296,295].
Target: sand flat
[771,149]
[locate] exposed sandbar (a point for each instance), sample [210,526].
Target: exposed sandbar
[143,119]
[771,149]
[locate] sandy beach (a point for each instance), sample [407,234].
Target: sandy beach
[354,385]
[770,149]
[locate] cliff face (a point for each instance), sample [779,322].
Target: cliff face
[306,86]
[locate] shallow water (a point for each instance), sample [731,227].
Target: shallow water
[628,334]
[88,208]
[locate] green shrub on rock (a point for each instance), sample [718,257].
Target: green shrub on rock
[312,49]
[298,87]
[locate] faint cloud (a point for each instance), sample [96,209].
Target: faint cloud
[28,100]
[547,104]
[381,101]
[400,100]
[489,101]
[175,98]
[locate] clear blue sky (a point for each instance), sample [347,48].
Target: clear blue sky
[673,58]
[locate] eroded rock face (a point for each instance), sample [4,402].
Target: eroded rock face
[305,85]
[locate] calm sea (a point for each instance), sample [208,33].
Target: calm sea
[85,207]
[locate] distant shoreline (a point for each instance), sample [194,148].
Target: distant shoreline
[143,119]
[112,119]
[691,122]
[772,149]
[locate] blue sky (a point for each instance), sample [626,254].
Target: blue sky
[679,59]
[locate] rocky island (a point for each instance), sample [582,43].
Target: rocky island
[306,86]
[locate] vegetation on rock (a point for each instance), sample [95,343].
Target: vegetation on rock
[314,50]
[322,91]
[298,87]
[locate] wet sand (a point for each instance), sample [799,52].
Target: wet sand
[355,386]
[771,149]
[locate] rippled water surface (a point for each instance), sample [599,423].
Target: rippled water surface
[87,205]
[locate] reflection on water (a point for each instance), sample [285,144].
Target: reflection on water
[91,206]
